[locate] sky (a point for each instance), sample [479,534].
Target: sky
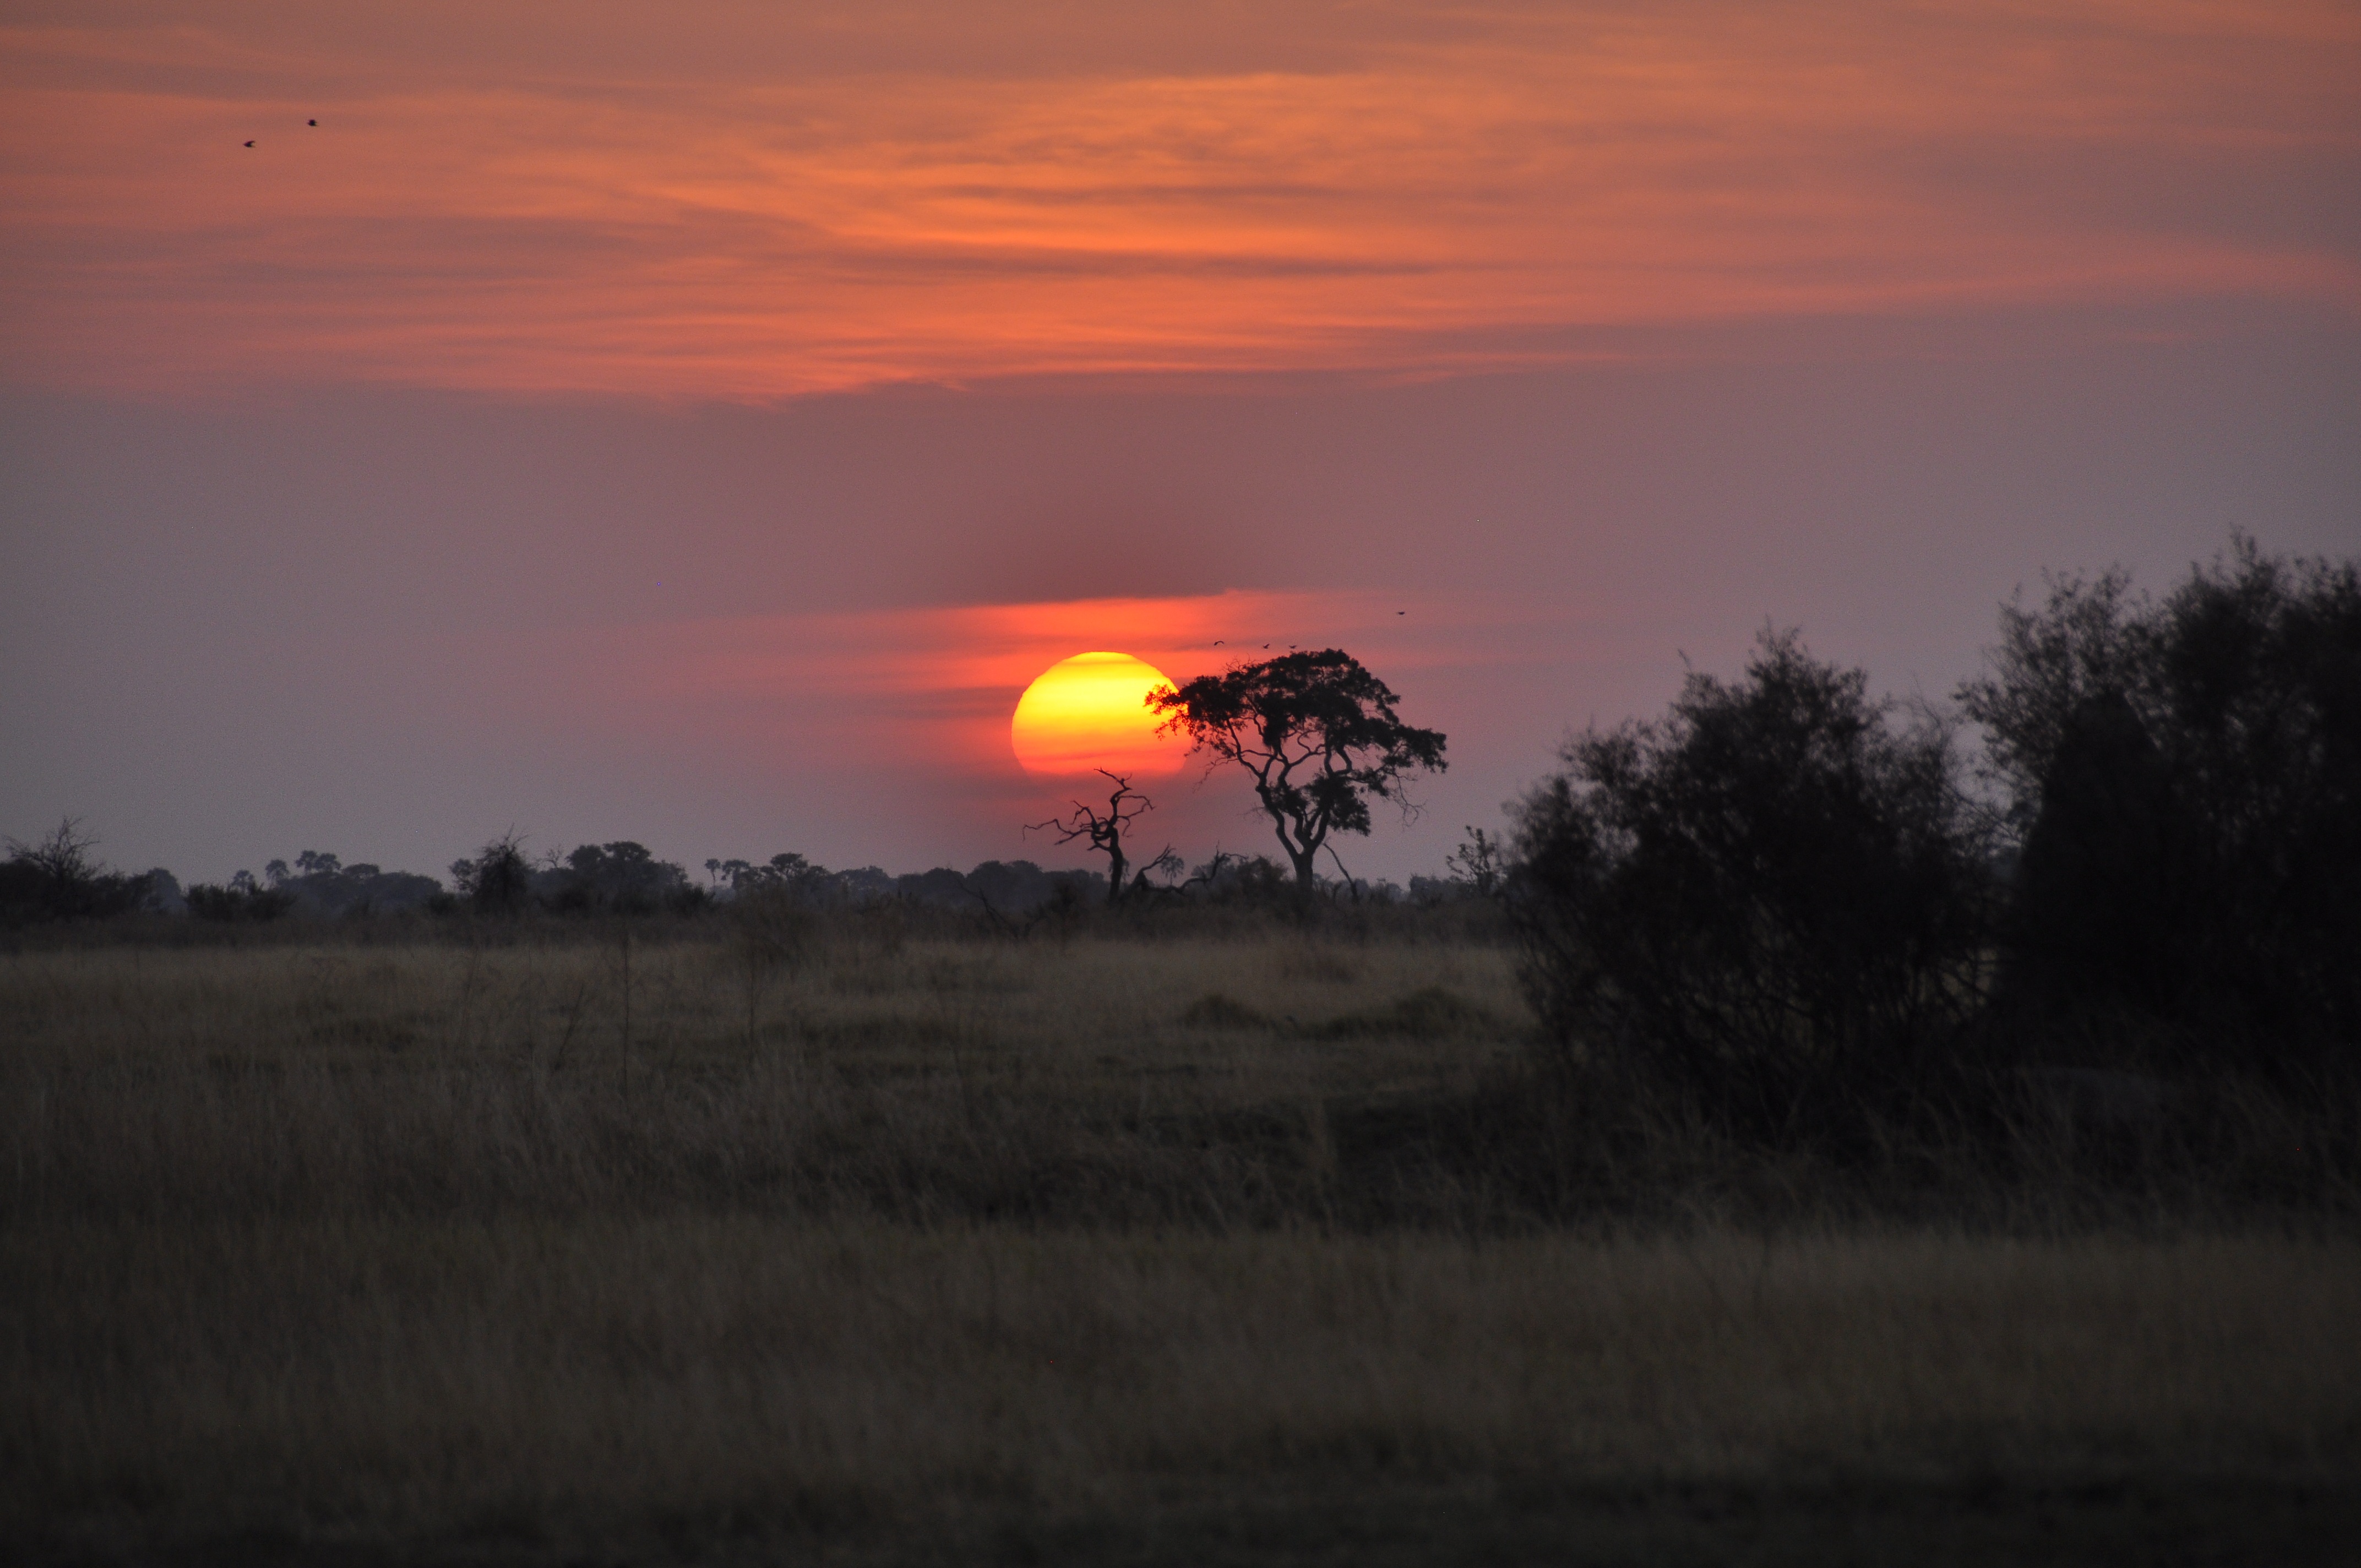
[697,425]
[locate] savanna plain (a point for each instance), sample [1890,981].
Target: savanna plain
[1257,1240]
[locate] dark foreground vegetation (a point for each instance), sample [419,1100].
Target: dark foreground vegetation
[1790,909]
[1239,1248]
[1790,1146]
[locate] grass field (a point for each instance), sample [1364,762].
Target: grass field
[1200,1250]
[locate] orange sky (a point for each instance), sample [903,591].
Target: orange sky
[697,422]
[938,685]
[719,200]
[915,703]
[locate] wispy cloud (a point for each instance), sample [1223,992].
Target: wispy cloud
[938,685]
[797,206]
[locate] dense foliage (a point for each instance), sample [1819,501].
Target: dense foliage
[1779,903]
[2187,777]
[1768,901]
[60,878]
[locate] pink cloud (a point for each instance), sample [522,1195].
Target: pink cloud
[621,212]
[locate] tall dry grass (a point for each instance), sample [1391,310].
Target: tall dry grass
[1093,1080]
[887,1247]
[585,1377]
[1282,1080]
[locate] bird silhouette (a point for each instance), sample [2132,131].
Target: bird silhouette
[1401,612]
[311,122]
[249,144]
[1217,641]
[1266,644]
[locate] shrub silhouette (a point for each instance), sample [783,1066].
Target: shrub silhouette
[1771,903]
[623,876]
[58,878]
[497,880]
[2188,778]
[321,883]
[239,901]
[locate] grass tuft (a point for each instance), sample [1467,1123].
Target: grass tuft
[1215,1011]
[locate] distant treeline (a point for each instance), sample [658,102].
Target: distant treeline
[60,879]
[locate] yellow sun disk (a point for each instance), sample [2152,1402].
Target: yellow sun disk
[1091,711]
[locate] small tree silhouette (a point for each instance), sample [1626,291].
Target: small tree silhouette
[1105,829]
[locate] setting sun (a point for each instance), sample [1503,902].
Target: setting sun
[1091,711]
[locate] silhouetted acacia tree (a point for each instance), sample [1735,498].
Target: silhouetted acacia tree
[1773,902]
[2187,776]
[1317,733]
[1105,829]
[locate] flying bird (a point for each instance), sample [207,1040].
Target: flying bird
[1401,612]
[1217,641]
[249,144]
[311,122]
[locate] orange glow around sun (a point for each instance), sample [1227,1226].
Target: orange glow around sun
[1091,711]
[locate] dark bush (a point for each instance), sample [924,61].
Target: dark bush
[323,884]
[2188,779]
[1772,904]
[623,878]
[1251,881]
[498,881]
[241,900]
[60,879]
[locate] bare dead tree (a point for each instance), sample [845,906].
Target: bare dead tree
[1169,862]
[1105,829]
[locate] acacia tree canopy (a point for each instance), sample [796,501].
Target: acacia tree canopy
[1317,732]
